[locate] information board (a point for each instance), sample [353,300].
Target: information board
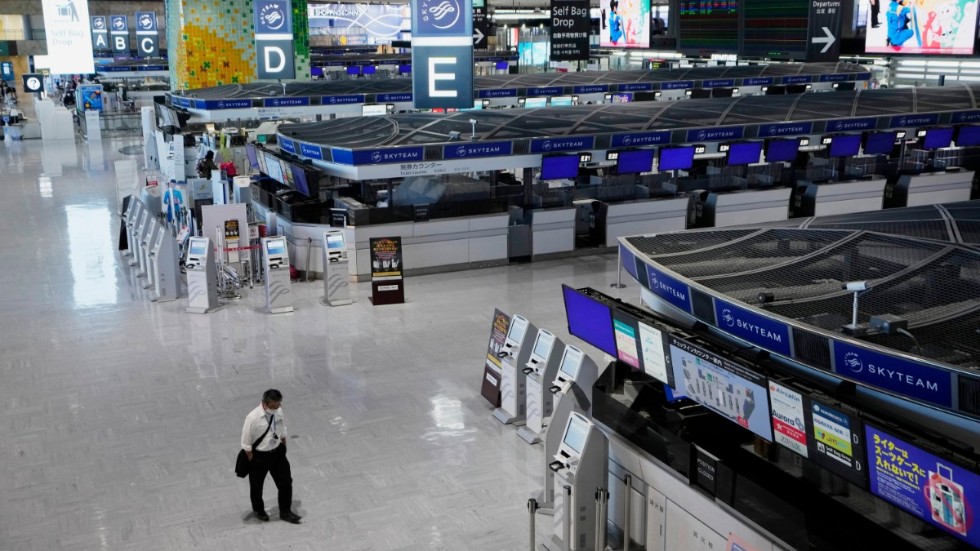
[708,26]
[837,442]
[774,28]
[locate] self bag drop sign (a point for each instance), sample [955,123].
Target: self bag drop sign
[903,377]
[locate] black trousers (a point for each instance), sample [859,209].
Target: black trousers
[275,463]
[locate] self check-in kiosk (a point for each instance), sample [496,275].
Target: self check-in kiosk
[336,278]
[142,241]
[134,232]
[155,234]
[541,369]
[275,258]
[202,276]
[514,354]
[579,468]
[130,217]
[165,260]
[572,390]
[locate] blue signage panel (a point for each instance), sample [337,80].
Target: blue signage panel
[640,138]
[402,97]
[785,129]
[545,91]
[442,53]
[214,104]
[485,149]
[867,123]
[669,288]
[718,83]
[862,76]
[758,329]
[628,259]
[274,39]
[908,121]
[677,85]
[757,81]
[311,151]
[285,102]
[834,78]
[965,116]
[798,79]
[378,156]
[551,145]
[7,70]
[590,89]
[635,87]
[708,134]
[503,93]
[342,100]
[904,377]
[178,101]
[146,21]
[287,145]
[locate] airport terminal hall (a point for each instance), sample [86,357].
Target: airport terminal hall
[490,275]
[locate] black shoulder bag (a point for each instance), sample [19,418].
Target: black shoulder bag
[241,463]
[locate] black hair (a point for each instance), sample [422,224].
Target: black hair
[613,4]
[210,155]
[271,395]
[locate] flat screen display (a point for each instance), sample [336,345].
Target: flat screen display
[576,433]
[535,103]
[676,158]
[937,138]
[253,160]
[788,417]
[845,145]
[626,330]
[623,97]
[709,25]
[275,247]
[930,27]
[572,361]
[299,179]
[967,136]
[589,320]
[286,169]
[561,101]
[272,167]
[198,247]
[782,151]
[557,167]
[744,153]
[335,241]
[374,110]
[543,345]
[624,24]
[633,161]
[836,442]
[722,386]
[651,342]
[932,488]
[518,326]
[879,143]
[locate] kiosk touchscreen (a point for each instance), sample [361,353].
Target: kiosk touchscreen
[165,259]
[153,238]
[336,275]
[202,276]
[143,237]
[513,381]
[131,216]
[134,244]
[275,258]
[581,465]
[541,369]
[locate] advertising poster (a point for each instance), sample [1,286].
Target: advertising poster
[624,24]
[352,24]
[386,257]
[788,419]
[68,35]
[722,386]
[498,334]
[652,348]
[933,489]
[89,97]
[946,27]
[625,330]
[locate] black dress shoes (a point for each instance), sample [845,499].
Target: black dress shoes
[261,515]
[292,518]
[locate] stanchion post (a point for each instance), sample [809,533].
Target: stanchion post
[628,480]
[619,270]
[567,520]
[532,507]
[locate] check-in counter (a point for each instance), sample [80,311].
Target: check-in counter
[643,217]
[932,188]
[750,206]
[552,231]
[830,198]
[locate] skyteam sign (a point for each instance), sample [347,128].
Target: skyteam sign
[178,101]
[100,33]
[718,83]
[798,79]
[378,156]
[213,104]
[868,123]
[544,91]
[285,102]
[147,41]
[274,39]
[785,129]
[640,138]
[442,53]
[635,87]
[504,93]
[342,100]
[965,116]
[904,377]
[709,134]
[590,89]
[468,151]
[403,97]
[551,145]
[834,78]
[669,288]
[757,329]
[311,151]
[289,146]
[119,29]
[757,81]
[908,121]
[677,85]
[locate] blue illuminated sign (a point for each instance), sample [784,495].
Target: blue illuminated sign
[834,78]
[907,121]
[178,101]
[215,104]
[677,85]
[640,138]
[286,145]
[965,116]
[467,151]
[868,123]
[551,145]
[285,102]
[755,328]
[545,91]
[628,260]
[311,151]
[718,83]
[378,156]
[403,97]
[798,79]
[342,100]
[785,129]
[707,134]
[590,89]
[669,288]
[757,81]
[904,377]
[441,18]
[635,87]
[505,93]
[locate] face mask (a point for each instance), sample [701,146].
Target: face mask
[271,411]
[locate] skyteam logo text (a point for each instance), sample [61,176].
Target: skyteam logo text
[273,16]
[443,16]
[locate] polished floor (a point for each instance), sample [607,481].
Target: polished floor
[120,418]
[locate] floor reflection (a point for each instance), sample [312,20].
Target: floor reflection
[91,255]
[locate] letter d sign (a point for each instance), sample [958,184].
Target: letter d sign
[275,59]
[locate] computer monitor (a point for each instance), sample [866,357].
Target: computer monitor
[968,135]
[275,247]
[879,143]
[557,167]
[623,97]
[589,319]
[676,158]
[272,167]
[561,101]
[535,103]
[779,151]
[632,161]
[543,344]
[299,178]
[845,145]
[576,434]
[700,93]
[253,160]
[571,362]
[937,138]
[744,153]
[335,241]
[516,332]
[198,246]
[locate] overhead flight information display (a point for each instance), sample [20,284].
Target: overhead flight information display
[775,28]
[708,25]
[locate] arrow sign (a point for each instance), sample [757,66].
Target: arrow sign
[477,36]
[827,40]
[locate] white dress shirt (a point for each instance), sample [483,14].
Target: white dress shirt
[255,424]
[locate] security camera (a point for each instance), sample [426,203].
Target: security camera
[855,286]
[472,121]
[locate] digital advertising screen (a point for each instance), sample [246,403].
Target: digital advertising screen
[968,135]
[722,386]
[934,489]
[676,158]
[253,160]
[624,24]
[879,143]
[589,320]
[845,145]
[708,25]
[651,342]
[625,328]
[937,138]
[940,27]
[837,442]
[632,161]
[782,151]
[788,417]
[622,97]
[744,153]
[557,167]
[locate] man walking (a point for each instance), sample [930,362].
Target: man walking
[264,442]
